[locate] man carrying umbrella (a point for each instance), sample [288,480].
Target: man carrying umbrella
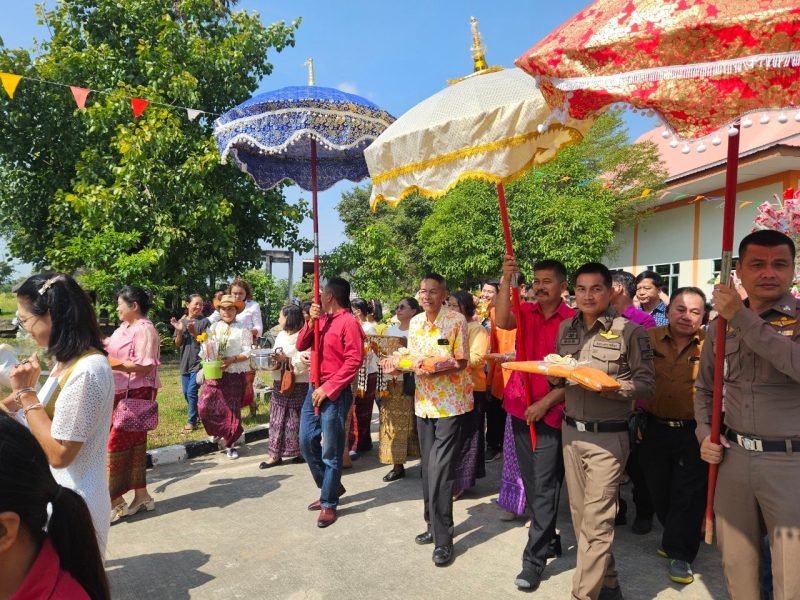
[341,350]
[542,467]
[759,453]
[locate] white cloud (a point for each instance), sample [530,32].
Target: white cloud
[347,87]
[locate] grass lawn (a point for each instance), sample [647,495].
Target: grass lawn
[8,305]
[172,408]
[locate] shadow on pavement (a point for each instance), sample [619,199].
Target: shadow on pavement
[220,493]
[187,470]
[163,575]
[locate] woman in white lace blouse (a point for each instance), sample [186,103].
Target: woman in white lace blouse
[70,415]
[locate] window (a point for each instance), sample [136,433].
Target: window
[669,273]
[718,267]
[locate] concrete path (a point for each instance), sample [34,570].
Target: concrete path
[225,529]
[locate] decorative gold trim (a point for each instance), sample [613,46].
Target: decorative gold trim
[485,71]
[575,137]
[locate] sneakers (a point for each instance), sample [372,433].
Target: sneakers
[232,453]
[680,571]
[528,579]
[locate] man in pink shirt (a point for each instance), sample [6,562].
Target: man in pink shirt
[341,351]
[542,468]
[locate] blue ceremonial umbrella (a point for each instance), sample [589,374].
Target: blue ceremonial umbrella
[313,136]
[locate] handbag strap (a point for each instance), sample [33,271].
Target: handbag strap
[50,408]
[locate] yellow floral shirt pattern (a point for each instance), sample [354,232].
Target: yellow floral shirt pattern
[449,394]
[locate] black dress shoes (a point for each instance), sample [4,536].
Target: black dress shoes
[554,548]
[642,525]
[443,555]
[423,538]
[394,475]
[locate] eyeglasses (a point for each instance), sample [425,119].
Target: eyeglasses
[21,322]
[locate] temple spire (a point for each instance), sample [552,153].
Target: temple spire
[310,63]
[478,50]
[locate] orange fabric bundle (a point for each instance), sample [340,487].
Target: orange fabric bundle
[594,379]
[540,367]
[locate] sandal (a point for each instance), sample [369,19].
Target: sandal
[270,463]
[189,428]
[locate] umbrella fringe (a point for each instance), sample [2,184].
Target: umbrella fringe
[781,60]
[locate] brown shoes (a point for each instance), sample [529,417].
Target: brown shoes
[327,516]
[315,505]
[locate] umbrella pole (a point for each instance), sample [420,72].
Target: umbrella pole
[521,351]
[315,220]
[731,175]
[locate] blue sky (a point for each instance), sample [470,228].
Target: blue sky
[393,53]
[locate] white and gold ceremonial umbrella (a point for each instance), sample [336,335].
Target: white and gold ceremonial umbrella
[493,125]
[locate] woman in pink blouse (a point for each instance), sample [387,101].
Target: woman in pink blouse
[134,351]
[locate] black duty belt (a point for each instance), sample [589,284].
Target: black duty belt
[597,426]
[674,423]
[756,444]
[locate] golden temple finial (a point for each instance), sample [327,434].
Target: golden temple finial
[310,63]
[479,64]
[478,49]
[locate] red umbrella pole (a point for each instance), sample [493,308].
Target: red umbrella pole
[315,218]
[521,352]
[724,277]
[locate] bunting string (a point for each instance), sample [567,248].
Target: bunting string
[10,82]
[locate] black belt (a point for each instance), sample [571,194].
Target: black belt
[756,444]
[674,423]
[597,426]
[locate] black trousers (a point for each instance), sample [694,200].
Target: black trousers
[642,498]
[440,443]
[677,478]
[542,476]
[495,423]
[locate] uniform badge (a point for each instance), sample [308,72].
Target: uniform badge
[609,335]
[784,321]
[786,307]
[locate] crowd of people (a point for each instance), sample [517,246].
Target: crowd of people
[446,399]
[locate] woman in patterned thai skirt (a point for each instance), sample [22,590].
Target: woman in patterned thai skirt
[134,350]
[359,438]
[220,405]
[398,427]
[250,318]
[472,464]
[284,413]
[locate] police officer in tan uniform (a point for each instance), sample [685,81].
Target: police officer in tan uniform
[595,432]
[758,482]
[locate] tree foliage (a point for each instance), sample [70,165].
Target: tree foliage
[381,257]
[142,201]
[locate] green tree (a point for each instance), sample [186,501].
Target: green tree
[269,292]
[304,289]
[381,258]
[145,201]
[566,209]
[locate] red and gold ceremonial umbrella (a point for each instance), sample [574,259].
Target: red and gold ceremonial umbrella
[699,64]
[489,126]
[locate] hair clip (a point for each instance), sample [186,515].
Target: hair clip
[47,285]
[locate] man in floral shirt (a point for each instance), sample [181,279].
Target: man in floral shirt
[442,402]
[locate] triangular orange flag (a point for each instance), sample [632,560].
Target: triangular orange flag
[79,94]
[138,105]
[10,82]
